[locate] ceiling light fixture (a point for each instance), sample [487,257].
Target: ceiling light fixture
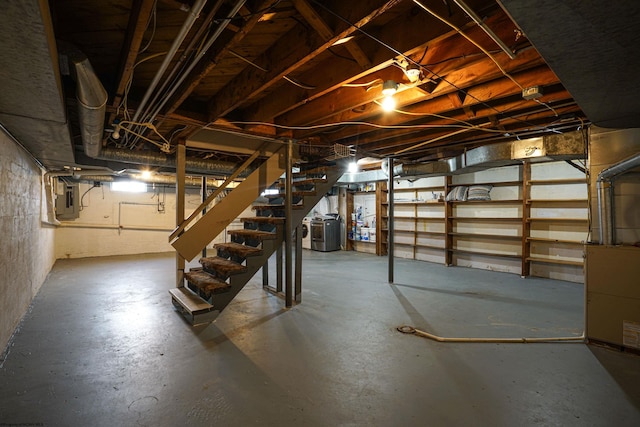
[353,167]
[388,103]
[389,87]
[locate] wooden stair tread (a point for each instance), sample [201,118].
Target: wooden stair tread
[222,265]
[206,282]
[277,206]
[255,234]
[238,249]
[303,181]
[293,193]
[191,302]
[264,219]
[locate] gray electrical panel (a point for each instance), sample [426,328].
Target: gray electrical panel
[68,202]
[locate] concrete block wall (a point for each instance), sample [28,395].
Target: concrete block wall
[27,253]
[118,223]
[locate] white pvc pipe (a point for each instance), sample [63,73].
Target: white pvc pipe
[194,12]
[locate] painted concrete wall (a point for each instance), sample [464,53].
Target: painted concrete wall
[117,223]
[27,253]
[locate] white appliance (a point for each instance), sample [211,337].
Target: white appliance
[306,233]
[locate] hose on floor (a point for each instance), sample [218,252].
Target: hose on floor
[411,330]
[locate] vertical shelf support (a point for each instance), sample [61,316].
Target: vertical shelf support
[526,224]
[448,225]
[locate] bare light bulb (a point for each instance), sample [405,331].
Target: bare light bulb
[353,167]
[388,103]
[116,132]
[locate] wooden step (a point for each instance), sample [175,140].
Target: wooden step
[222,266]
[302,181]
[190,301]
[293,193]
[252,234]
[238,249]
[205,282]
[264,219]
[275,207]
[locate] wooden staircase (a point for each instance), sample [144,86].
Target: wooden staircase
[211,287]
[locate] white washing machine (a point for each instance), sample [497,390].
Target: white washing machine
[306,233]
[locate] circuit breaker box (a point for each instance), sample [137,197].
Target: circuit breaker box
[68,202]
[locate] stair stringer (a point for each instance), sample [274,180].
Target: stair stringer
[190,243]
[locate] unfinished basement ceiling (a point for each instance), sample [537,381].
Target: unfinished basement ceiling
[308,70]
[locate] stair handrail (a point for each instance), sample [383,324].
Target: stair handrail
[180,228]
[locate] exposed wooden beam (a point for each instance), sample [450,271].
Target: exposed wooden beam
[412,35]
[315,20]
[344,100]
[493,90]
[141,11]
[206,67]
[518,119]
[293,50]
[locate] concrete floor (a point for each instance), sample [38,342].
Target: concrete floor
[102,346]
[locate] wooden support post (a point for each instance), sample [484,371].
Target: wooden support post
[288,234]
[526,224]
[448,225]
[181,156]
[298,276]
[390,237]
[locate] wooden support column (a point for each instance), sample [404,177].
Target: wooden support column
[448,225]
[181,156]
[526,213]
[298,276]
[288,247]
[204,210]
[390,237]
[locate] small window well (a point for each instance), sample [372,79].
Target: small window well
[129,186]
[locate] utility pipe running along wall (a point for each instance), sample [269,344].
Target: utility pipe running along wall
[606,205]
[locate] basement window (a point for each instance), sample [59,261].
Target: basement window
[129,186]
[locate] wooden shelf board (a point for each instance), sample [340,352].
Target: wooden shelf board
[556,261]
[428,187]
[491,254]
[506,202]
[484,219]
[418,202]
[430,233]
[557,219]
[558,181]
[559,201]
[486,236]
[548,240]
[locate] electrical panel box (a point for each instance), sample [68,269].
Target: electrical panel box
[68,202]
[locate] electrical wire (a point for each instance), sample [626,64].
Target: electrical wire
[300,85]
[397,52]
[248,61]
[362,84]
[476,44]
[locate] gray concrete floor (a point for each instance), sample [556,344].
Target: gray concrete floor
[102,346]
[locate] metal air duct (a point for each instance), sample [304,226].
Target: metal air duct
[606,207]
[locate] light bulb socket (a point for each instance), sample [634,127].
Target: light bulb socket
[389,87]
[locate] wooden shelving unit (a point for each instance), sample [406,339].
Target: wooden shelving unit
[466,228]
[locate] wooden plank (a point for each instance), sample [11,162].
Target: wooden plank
[206,282]
[221,265]
[556,261]
[253,234]
[486,236]
[490,254]
[241,250]
[191,302]
[264,219]
[293,50]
